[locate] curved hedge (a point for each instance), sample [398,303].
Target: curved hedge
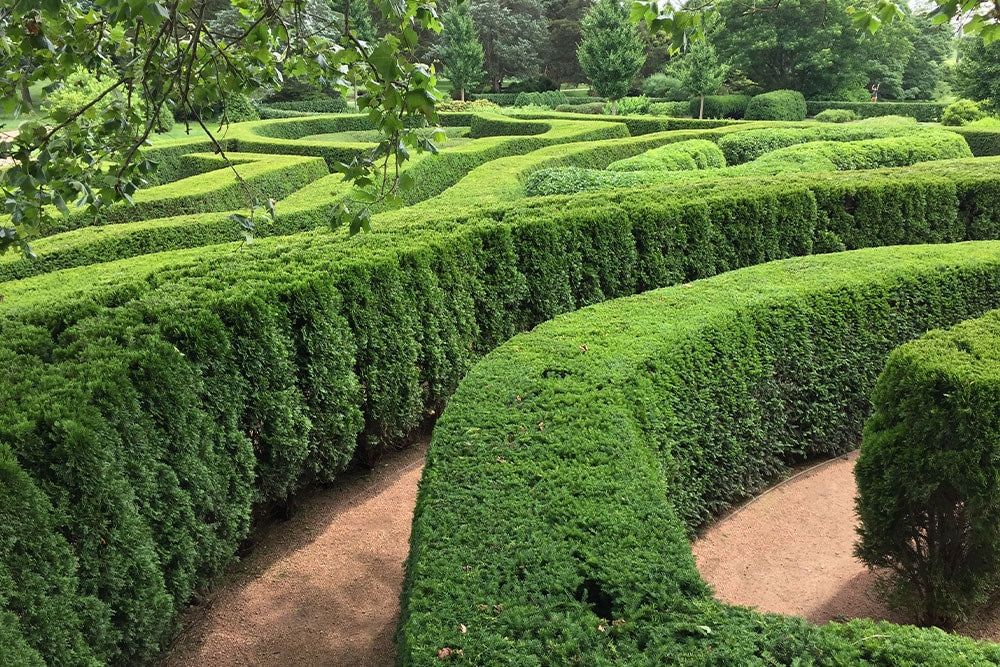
[571,464]
[691,154]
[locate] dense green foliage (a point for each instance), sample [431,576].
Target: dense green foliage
[962,112]
[777,105]
[570,466]
[977,75]
[836,116]
[548,98]
[721,106]
[928,478]
[691,154]
[701,74]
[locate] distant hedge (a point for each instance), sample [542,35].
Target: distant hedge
[777,105]
[571,465]
[721,106]
[322,105]
[925,112]
[746,146]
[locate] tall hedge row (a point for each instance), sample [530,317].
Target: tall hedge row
[564,476]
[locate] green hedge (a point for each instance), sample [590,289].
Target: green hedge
[572,463]
[323,105]
[722,106]
[691,154]
[777,105]
[740,147]
[982,141]
[931,450]
[153,400]
[548,98]
[836,116]
[925,112]
[819,156]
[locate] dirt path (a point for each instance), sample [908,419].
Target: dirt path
[319,590]
[790,551]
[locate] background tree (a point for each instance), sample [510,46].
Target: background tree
[977,75]
[459,49]
[154,54]
[700,72]
[513,33]
[933,44]
[559,61]
[610,52]
[805,45]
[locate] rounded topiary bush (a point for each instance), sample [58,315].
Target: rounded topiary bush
[777,105]
[962,112]
[836,116]
[660,85]
[929,472]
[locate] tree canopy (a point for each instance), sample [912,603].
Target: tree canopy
[459,50]
[513,33]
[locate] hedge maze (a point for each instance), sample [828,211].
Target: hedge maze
[161,377]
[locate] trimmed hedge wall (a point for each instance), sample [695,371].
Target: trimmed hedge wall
[691,154]
[571,465]
[925,112]
[323,105]
[740,147]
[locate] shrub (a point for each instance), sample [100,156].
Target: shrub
[594,108]
[473,106]
[325,104]
[929,472]
[721,106]
[777,105]
[549,99]
[836,116]
[748,145]
[631,105]
[924,112]
[692,154]
[671,109]
[962,112]
[889,120]
[239,109]
[660,85]
[538,84]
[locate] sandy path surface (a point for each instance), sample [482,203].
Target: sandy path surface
[319,590]
[790,551]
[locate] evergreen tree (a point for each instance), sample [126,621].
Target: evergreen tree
[460,51]
[611,52]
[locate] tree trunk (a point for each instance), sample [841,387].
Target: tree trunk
[463,93]
[26,94]
[614,107]
[701,107]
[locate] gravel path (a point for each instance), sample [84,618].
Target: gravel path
[319,590]
[790,551]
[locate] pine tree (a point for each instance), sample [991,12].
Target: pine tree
[460,51]
[611,52]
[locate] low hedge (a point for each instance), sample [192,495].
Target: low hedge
[925,112]
[671,109]
[595,108]
[777,105]
[820,156]
[740,147]
[931,450]
[836,116]
[691,154]
[150,402]
[572,464]
[723,106]
[321,105]
[548,98]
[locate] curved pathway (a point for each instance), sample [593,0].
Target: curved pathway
[319,590]
[790,551]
